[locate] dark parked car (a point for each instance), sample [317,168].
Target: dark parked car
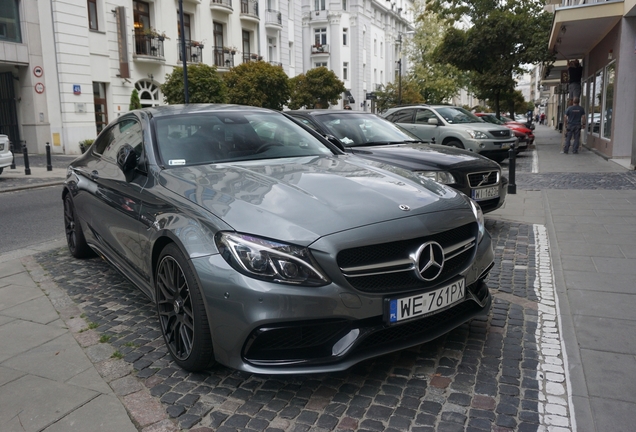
[267,249]
[375,138]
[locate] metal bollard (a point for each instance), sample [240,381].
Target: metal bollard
[27,169]
[49,166]
[512,187]
[12,155]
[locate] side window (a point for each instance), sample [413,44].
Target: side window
[306,122]
[422,116]
[103,141]
[403,116]
[124,132]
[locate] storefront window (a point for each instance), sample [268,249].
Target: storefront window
[589,104]
[608,102]
[584,104]
[597,103]
[10,21]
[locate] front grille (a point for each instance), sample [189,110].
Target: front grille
[483,178]
[500,133]
[392,268]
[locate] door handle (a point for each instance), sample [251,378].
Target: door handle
[94,175]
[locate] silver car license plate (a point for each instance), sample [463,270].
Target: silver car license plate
[485,193]
[420,305]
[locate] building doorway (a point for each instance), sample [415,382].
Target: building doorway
[9,111]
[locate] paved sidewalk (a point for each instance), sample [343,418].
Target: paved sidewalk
[17,179]
[588,205]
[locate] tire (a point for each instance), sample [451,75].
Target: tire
[455,143]
[75,240]
[181,312]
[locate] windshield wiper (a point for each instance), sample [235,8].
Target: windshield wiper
[372,143]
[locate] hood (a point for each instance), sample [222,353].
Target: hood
[301,199]
[422,157]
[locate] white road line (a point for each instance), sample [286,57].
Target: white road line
[535,161]
[556,411]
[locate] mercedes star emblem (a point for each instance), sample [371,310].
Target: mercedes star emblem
[429,261]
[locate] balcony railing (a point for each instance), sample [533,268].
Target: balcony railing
[249,7]
[275,63]
[194,51]
[320,49]
[223,58]
[224,3]
[148,45]
[273,17]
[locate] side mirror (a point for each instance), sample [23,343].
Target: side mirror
[127,160]
[335,141]
[433,121]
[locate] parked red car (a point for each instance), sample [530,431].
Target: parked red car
[524,134]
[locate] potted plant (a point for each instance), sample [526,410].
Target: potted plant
[229,50]
[154,33]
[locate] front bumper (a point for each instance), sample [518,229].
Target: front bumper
[262,327]
[5,159]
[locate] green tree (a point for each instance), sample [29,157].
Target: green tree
[205,85]
[438,81]
[135,103]
[389,95]
[317,88]
[501,38]
[258,84]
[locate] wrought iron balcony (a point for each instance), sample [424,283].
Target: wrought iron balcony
[223,58]
[194,51]
[249,10]
[149,45]
[221,5]
[320,49]
[275,63]
[273,18]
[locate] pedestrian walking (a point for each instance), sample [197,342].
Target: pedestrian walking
[542,118]
[574,119]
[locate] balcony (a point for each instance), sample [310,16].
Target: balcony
[275,63]
[223,58]
[148,47]
[320,49]
[273,19]
[222,6]
[318,16]
[194,51]
[251,57]
[249,10]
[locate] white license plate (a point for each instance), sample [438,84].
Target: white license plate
[485,193]
[505,146]
[423,304]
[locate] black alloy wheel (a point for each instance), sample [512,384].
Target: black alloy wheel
[74,235]
[181,312]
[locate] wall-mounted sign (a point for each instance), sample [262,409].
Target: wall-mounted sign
[77,89]
[38,71]
[39,88]
[80,107]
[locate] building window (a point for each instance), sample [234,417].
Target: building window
[101,110]
[291,54]
[246,46]
[219,58]
[608,100]
[271,49]
[345,36]
[597,103]
[381,77]
[93,24]
[344,5]
[381,49]
[10,21]
[345,71]
[186,27]
[320,5]
[148,93]
[375,47]
[320,64]
[320,36]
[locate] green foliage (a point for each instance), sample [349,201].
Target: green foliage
[389,96]
[503,36]
[258,84]
[104,338]
[135,103]
[117,355]
[317,88]
[205,85]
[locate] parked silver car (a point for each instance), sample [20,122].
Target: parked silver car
[454,126]
[268,249]
[6,157]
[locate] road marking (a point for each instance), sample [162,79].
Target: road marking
[535,161]
[555,390]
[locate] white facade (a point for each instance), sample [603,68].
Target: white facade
[94,53]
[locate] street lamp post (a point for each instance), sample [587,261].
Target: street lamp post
[183,54]
[399,62]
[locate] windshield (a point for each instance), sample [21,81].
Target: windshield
[491,119]
[455,115]
[364,129]
[194,139]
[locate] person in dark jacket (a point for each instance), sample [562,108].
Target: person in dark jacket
[574,119]
[575,71]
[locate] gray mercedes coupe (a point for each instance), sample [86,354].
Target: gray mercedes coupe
[268,249]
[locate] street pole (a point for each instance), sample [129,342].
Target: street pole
[400,81]
[183,54]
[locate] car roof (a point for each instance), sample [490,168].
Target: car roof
[326,111]
[166,110]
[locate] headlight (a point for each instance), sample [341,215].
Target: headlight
[476,134]
[443,177]
[479,215]
[269,260]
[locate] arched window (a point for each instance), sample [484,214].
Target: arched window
[149,93]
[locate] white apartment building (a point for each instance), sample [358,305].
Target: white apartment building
[68,67]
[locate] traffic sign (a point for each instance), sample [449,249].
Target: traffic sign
[39,88]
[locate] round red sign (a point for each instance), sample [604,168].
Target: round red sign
[39,88]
